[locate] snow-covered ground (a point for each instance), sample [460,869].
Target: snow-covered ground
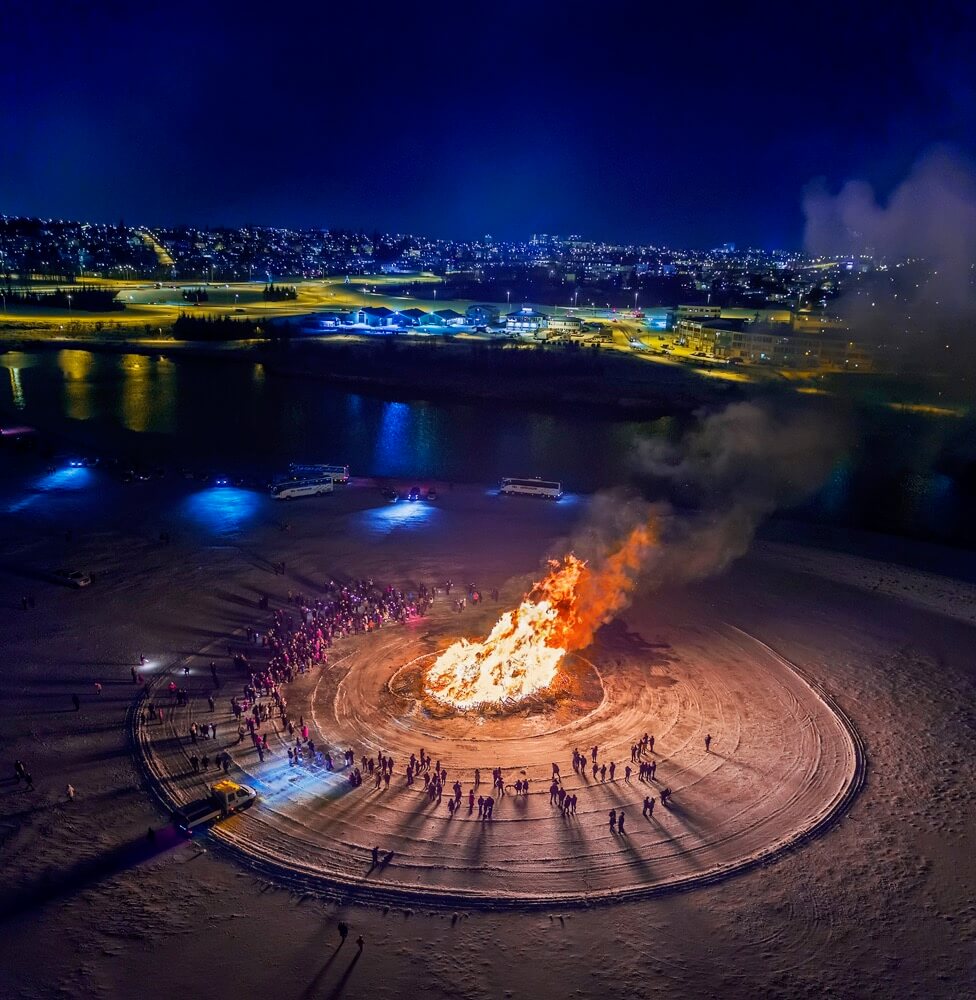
[880,905]
[780,764]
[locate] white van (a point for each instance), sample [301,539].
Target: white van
[531,488]
[337,473]
[288,489]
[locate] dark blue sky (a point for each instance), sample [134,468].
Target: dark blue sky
[616,120]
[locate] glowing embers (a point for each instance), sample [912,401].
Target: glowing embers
[521,654]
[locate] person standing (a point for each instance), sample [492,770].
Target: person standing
[343,929]
[613,820]
[70,790]
[708,742]
[620,822]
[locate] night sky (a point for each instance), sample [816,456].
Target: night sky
[617,121]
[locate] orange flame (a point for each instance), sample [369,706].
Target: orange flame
[522,653]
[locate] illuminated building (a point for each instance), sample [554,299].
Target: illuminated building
[525,320]
[482,315]
[557,325]
[737,339]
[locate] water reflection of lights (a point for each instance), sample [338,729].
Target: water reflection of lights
[136,391]
[76,367]
[16,388]
[393,454]
[222,509]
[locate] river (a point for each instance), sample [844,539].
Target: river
[232,416]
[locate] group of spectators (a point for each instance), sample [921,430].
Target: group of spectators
[297,637]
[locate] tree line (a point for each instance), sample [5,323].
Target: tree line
[83,298]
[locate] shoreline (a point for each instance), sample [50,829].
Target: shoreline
[600,393]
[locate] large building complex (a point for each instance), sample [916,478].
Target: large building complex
[738,340]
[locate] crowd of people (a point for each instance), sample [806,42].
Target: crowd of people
[296,638]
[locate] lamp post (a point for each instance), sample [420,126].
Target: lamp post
[69,304]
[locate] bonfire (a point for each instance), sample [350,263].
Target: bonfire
[521,654]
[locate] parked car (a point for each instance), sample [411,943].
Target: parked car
[226,798]
[71,578]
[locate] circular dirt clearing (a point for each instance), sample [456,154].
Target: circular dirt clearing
[783,763]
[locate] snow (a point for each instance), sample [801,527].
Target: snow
[879,904]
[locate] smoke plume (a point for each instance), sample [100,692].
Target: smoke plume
[717,483]
[920,307]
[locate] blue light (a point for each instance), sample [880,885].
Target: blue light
[69,478]
[224,510]
[278,781]
[60,482]
[383,520]
[392,454]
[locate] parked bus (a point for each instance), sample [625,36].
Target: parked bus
[531,488]
[288,489]
[338,473]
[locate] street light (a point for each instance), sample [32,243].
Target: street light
[69,304]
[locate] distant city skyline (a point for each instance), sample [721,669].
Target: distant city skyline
[693,129]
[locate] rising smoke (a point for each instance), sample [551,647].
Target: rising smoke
[920,308]
[718,482]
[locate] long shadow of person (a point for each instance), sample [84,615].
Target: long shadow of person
[341,984]
[312,987]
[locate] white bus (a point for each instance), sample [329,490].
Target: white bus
[337,473]
[531,488]
[288,489]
